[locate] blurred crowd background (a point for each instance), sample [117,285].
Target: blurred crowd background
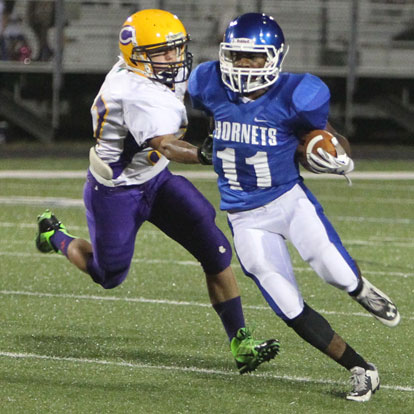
[54,55]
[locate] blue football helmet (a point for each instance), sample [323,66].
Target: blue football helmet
[252,33]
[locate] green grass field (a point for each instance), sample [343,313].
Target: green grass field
[154,345]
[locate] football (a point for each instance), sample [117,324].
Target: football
[310,142]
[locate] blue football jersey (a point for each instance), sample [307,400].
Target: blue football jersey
[255,140]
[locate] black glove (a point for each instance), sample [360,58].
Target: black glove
[205,152]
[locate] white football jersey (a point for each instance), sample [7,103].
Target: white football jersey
[128,111]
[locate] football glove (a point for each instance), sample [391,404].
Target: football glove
[205,151]
[324,162]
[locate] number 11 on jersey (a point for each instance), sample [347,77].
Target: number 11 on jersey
[258,161]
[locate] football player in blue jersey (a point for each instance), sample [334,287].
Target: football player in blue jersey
[137,117]
[259,114]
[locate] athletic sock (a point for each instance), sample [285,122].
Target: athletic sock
[231,315]
[357,291]
[61,241]
[350,359]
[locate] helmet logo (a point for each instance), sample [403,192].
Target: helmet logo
[127,35]
[242,41]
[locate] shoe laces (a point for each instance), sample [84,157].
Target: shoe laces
[244,333]
[50,223]
[244,345]
[374,300]
[359,380]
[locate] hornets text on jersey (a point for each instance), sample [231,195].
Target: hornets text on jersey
[256,140]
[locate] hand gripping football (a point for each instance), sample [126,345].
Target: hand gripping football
[320,152]
[310,143]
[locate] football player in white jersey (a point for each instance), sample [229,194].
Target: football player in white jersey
[259,114]
[138,117]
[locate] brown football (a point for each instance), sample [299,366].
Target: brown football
[310,142]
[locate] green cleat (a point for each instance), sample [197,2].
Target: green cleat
[250,353]
[48,225]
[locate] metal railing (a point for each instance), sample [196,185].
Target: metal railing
[345,38]
[318,31]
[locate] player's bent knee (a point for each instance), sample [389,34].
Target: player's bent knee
[210,246]
[313,328]
[113,280]
[108,279]
[216,256]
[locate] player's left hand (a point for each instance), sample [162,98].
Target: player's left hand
[326,163]
[205,152]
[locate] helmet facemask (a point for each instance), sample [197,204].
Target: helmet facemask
[165,72]
[245,80]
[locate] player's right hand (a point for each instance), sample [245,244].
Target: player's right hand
[205,151]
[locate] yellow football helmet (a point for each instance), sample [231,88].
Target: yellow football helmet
[149,32]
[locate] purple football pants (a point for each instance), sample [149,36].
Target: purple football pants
[170,202]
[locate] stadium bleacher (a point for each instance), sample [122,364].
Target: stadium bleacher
[318,33]
[93,26]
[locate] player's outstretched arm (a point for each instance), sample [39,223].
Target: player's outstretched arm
[175,149]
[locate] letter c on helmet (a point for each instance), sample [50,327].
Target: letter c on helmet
[127,35]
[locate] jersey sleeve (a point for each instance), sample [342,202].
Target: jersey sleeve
[310,101]
[150,116]
[196,86]
[106,113]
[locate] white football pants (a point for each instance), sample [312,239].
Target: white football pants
[260,238]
